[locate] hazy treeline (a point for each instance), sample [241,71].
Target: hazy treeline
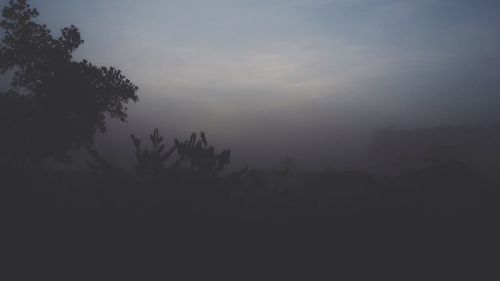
[395,150]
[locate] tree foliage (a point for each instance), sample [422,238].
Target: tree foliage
[54,104]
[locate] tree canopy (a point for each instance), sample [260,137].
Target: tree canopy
[54,104]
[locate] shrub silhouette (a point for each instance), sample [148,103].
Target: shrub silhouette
[151,161]
[194,157]
[55,104]
[202,158]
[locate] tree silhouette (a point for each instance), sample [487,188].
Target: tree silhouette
[54,104]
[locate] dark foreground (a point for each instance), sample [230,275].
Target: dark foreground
[450,189]
[88,226]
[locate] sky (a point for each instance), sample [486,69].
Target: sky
[299,78]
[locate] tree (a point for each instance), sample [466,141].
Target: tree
[54,104]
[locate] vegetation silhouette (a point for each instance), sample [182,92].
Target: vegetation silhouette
[152,161]
[54,104]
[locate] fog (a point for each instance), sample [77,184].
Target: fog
[304,79]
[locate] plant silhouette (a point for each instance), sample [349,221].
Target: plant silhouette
[202,158]
[194,157]
[54,104]
[151,161]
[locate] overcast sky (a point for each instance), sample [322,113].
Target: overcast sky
[291,77]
